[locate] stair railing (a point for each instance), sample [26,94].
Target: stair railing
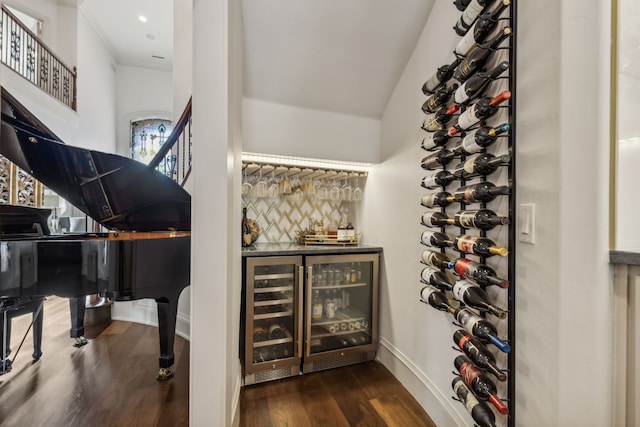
[24,52]
[173,159]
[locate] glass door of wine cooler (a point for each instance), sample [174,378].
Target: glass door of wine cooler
[341,314]
[273,341]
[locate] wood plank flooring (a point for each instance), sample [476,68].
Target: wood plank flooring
[111,382]
[362,395]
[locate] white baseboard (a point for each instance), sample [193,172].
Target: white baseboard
[439,406]
[145,311]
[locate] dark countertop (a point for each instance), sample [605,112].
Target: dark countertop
[624,257]
[292,248]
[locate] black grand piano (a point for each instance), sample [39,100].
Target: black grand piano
[145,253]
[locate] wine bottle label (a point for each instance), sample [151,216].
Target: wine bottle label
[426,292]
[428,142]
[460,95]
[469,195]
[468,372]
[466,244]
[432,83]
[467,219]
[469,144]
[460,288]
[426,237]
[429,181]
[469,166]
[467,398]
[468,118]
[471,13]
[431,124]
[426,274]
[467,42]
[430,200]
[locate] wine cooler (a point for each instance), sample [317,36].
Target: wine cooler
[308,313]
[273,336]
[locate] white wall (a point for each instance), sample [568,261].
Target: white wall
[96,92]
[182,55]
[563,300]
[216,261]
[292,131]
[140,93]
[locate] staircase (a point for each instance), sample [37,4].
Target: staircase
[23,52]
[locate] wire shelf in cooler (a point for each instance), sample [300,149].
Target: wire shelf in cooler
[274,276]
[285,340]
[273,315]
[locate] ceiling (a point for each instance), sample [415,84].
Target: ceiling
[332,55]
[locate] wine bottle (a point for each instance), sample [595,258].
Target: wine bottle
[438,78]
[437,159]
[479,219]
[478,84]
[440,178]
[479,354]
[436,299]
[474,296]
[461,5]
[439,98]
[484,108]
[439,119]
[436,219]
[480,328]
[480,164]
[436,199]
[479,273]
[436,239]
[437,259]
[482,192]
[480,412]
[435,139]
[485,23]
[469,15]
[246,230]
[475,245]
[442,280]
[276,331]
[477,57]
[479,138]
[480,384]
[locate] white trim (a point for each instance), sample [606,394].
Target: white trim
[439,406]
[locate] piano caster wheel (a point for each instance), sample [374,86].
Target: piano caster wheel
[80,341]
[164,374]
[5,366]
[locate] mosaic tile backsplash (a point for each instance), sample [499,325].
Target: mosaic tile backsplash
[279,218]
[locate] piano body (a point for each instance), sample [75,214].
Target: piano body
[145,253]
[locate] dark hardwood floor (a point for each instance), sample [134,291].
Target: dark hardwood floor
[363,395]
[111,382]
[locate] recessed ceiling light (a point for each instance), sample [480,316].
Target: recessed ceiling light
[150,36]
[142,18]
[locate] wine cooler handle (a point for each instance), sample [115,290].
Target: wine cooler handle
[308,314]
[300,309]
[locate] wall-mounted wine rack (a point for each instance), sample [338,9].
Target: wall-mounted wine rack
[447,149]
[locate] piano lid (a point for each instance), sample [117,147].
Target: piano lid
[118,192]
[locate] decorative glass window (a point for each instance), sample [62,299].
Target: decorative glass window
[147,136]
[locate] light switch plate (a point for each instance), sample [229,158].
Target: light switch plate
[527,223]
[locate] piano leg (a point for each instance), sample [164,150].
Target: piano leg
[76,310]
[5,334]
[167,313]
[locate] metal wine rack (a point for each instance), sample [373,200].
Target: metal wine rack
[503,205]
